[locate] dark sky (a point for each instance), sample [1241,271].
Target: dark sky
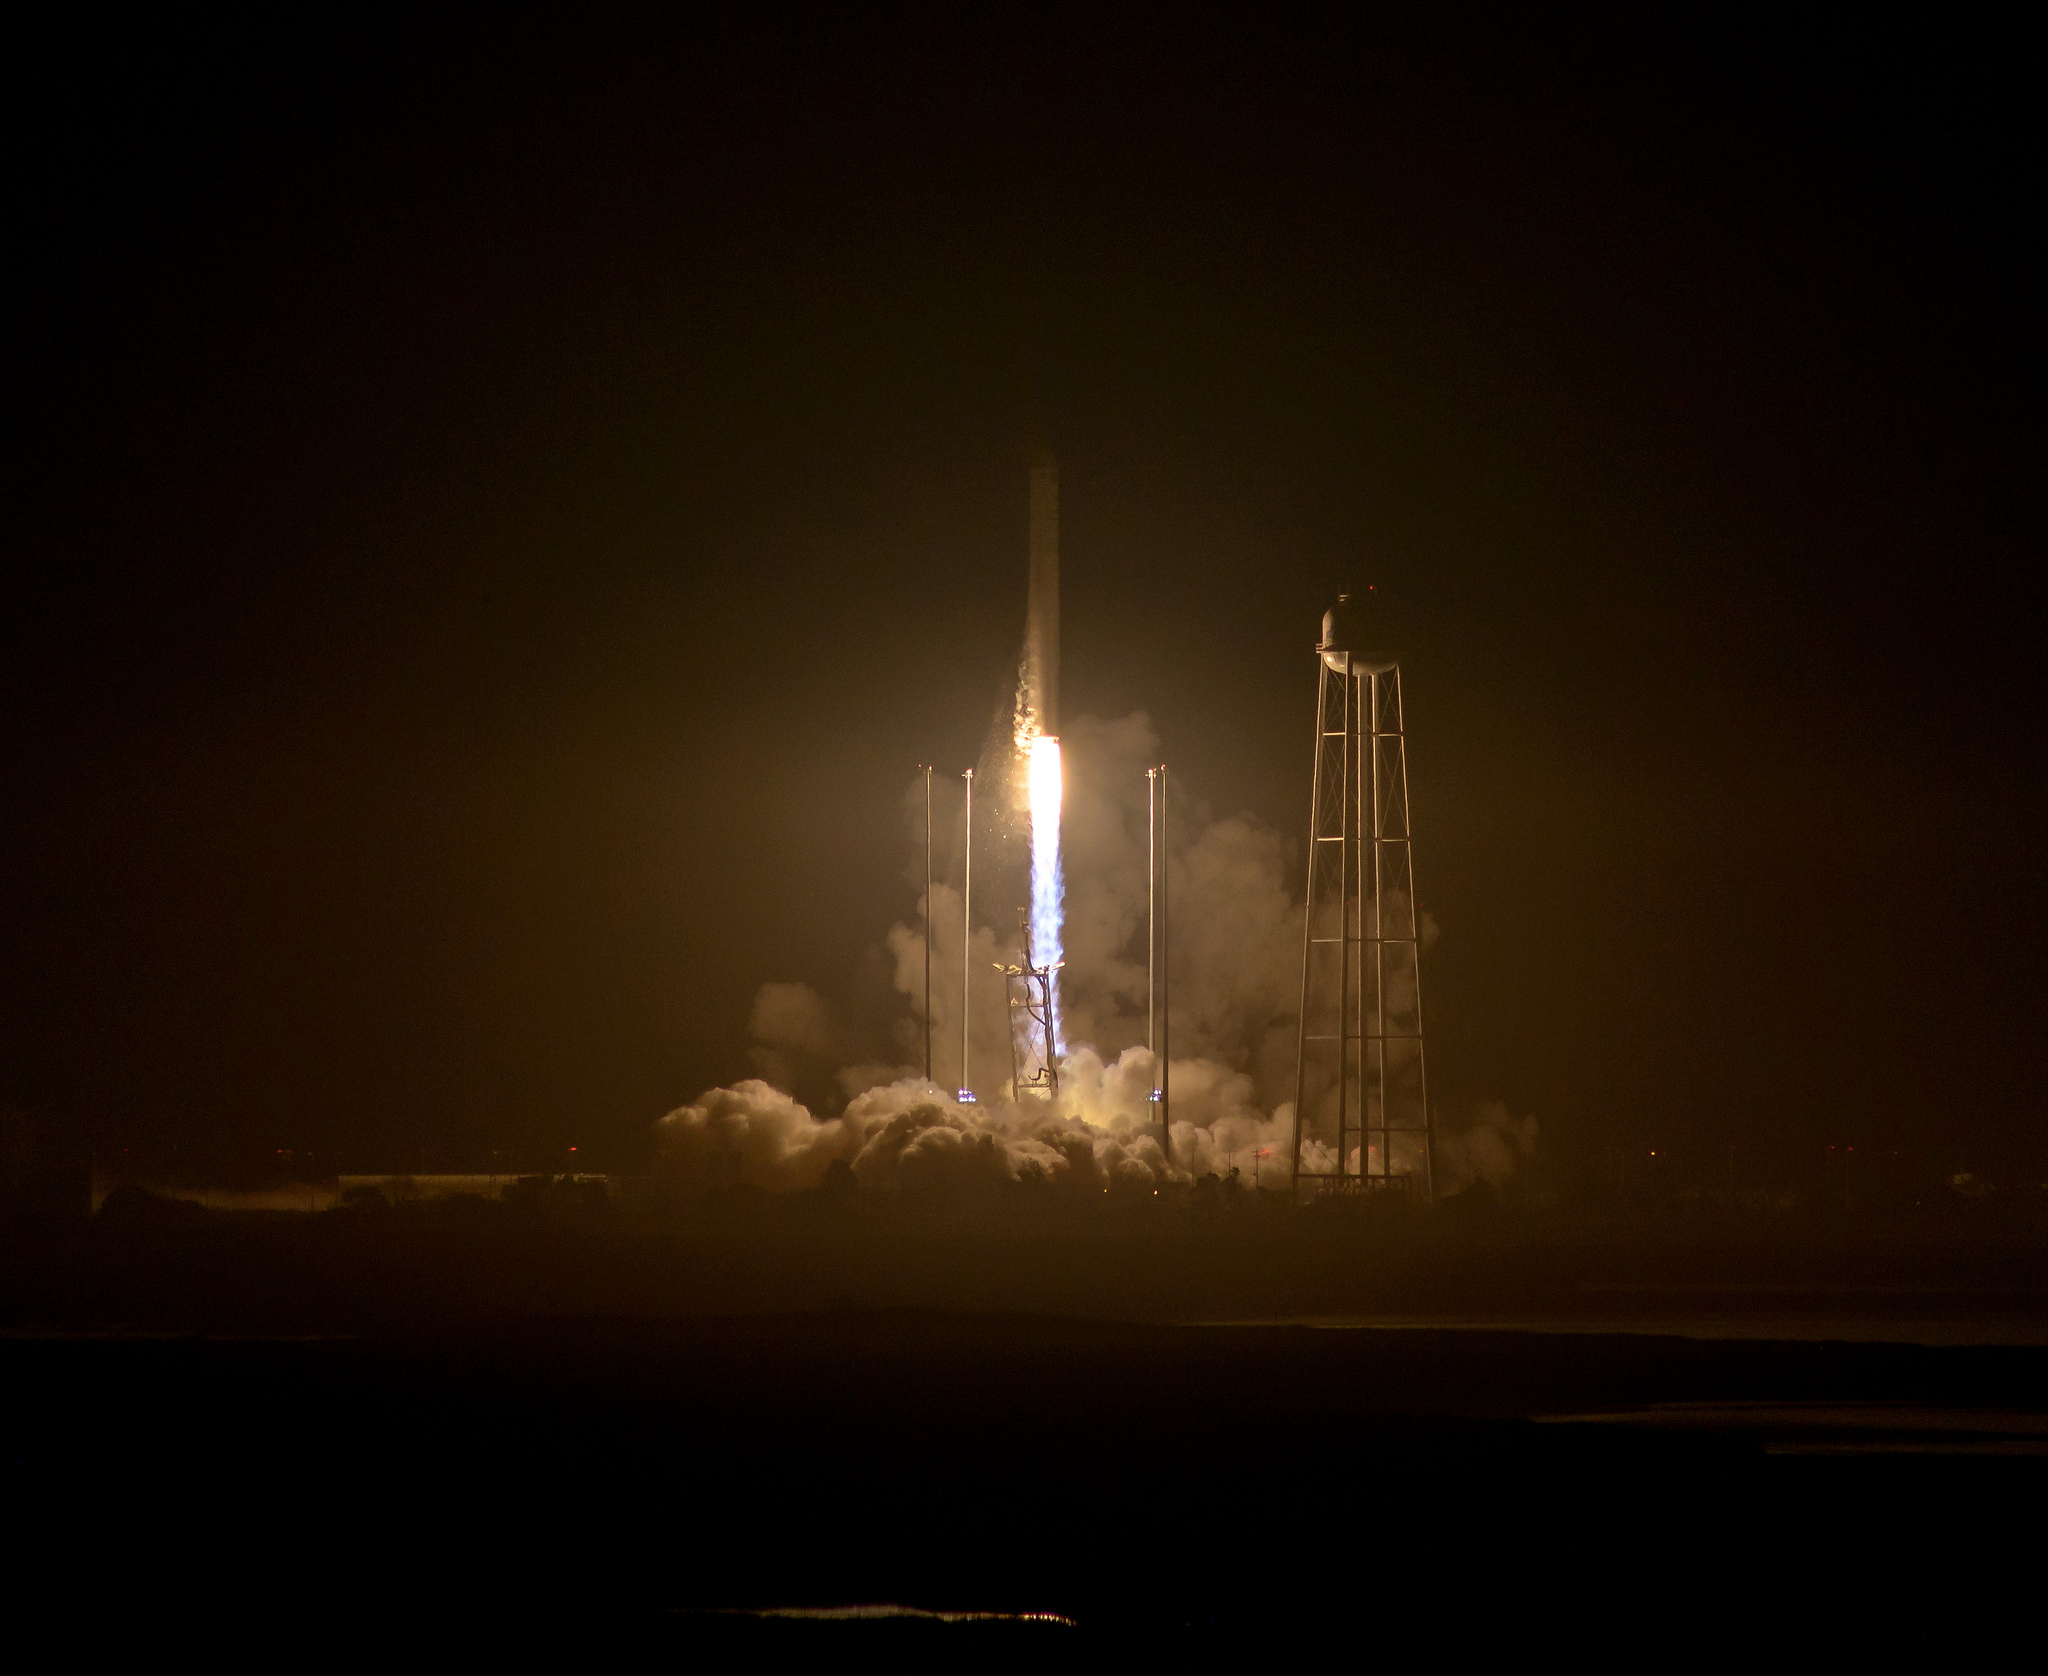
[499,509]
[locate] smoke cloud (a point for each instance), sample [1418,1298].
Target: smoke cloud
[792,1032]
[910,1136]
[820,1099]
[1236,945]
[1492,1149]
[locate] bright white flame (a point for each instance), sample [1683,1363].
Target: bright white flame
[1046,882]
[1045,784]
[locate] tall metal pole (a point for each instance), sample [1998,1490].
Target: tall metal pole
[966,931]
[927,921]
[1152,922]
[1165,995]
[1308,922]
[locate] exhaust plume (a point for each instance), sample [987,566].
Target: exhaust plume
[1235,974]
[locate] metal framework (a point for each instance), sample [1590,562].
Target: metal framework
[1361,1099]
[1029,991]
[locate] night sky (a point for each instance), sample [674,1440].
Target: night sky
[499,510]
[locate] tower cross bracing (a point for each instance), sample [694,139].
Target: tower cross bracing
[1361,1094]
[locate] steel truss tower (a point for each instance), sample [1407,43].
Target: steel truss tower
[1361,1100]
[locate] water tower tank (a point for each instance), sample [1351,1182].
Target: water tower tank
[1352,625]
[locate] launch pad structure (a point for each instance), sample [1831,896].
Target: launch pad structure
[1361,1097]
[1029,991]
[1362,1121]
[1030,987]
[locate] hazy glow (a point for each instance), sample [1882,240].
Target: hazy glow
[1047,886]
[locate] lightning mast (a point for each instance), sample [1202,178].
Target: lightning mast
[1156,1020]
[966,1095]
[928,922]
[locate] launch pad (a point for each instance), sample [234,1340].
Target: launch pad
[1032,1037]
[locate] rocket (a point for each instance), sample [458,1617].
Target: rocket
[1042,617]
[1038,740]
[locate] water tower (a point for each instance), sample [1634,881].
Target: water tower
[1361,1100]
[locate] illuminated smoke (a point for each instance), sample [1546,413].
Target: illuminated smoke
[834,1094]
[1099,1136]
[1492,1147]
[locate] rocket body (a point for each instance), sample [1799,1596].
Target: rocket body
[1038,740]
[1042,617]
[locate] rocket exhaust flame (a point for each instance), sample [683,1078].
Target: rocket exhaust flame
[1099,1120]
[1047,886]
[1046,783]
[1038,728]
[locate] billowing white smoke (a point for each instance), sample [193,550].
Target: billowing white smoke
[1236,970]
[910,1136]
[1236,923]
